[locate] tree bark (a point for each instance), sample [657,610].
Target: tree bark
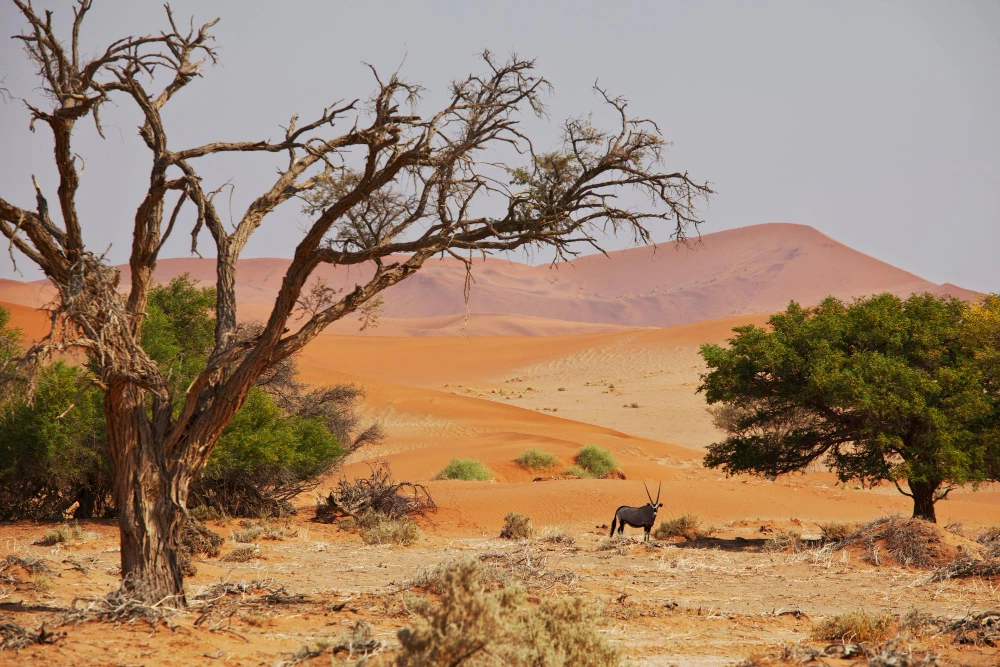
[150,496]
[923,494]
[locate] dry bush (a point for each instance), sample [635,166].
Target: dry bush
[14,637]
[619,545]
[557,536]
[687,526]
[243,553]
[990,538]
[784,540]
[60,535]
[910,542]
[473,626]
[836,531]
[355,643]
[978,629]
[501,568]
[856,626]
[247,534]
[516,527]
[376,493]
[375,528]
[965,565]
[197,540]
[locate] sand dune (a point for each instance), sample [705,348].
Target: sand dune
[742,271]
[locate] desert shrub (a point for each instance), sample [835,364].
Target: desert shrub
[377,493]
[595,460]
[473,626]
[537,459]
[856,626]
[52,447]
[990,538]
[264,458]
[468,469]
[577,471]
[197,540]
[557,536]
[247,534]
[376,528]
[516,527]
[243,553]
[687,526]
[835,531]
[60,535]
[783,540]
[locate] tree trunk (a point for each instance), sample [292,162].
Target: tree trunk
[150,496]
[923,499]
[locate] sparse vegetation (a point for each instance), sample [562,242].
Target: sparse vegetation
[836,531]
[537,459]
[467,469]
[596,460]
[577,471]
[377,528]
[856,626]
[243,553]
[516,527]
[378,493]
[470,623]
[784,540]
[61,535]
[910,542]
[687,526]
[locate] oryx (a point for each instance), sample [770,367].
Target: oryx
[638,517]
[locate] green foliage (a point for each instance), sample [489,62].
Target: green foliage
[52,447]
[468,469]
[881,389]
[537,459]
[595,460]
[264,458]
[577,471]
[474,626]
[179,331]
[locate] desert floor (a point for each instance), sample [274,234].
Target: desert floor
[704,602]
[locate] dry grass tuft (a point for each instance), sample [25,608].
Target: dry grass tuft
[557,536]
[473,625]
[687,526]
[243,553]
[378,529]
[60,535]
[856,626]
[516,527]
[784,540]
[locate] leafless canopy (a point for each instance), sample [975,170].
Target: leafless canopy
[388,185]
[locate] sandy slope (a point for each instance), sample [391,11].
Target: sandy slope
[742,271]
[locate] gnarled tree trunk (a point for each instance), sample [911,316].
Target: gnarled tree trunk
[924,496]
[150,494]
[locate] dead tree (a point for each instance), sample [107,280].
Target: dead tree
[388,186]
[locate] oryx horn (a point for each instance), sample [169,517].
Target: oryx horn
[647,494]
[657,493]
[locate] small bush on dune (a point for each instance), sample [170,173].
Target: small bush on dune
[467,469]
[687,526]
[909,542]
[516,527]
[595,460]
[473,626]
[577,471]
[537,459]
[856,626]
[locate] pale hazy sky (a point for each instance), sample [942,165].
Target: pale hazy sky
[875,122]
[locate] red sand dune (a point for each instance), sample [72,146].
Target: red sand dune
[753,269]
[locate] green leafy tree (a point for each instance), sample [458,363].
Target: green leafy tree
[881,389]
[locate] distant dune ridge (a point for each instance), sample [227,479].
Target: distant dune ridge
[755,269]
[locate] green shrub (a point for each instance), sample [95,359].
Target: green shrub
[537,459]
[468,469]
[473,626]
[595,460]
[856,626]
[516,527]
[577,471]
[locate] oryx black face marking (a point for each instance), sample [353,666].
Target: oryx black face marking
[638,517]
